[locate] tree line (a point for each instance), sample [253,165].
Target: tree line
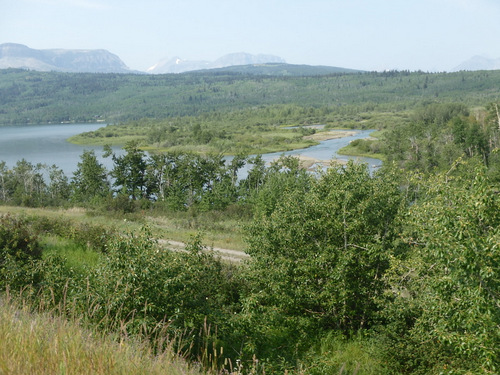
[174,180]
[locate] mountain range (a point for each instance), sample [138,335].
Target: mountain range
[14,55]
[60,60]
[478,63]
[101,61]
[177,65]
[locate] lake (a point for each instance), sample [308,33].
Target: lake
[47,144]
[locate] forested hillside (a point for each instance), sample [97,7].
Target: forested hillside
[37,97]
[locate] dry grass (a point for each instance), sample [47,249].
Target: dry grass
[43,344]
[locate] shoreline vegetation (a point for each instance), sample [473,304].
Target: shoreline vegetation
[284,139]
[307,162]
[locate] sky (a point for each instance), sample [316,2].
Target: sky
[427,35]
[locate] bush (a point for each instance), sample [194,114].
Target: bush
[121,204]
[335,354]
[93,236]
[19,248]
[17,240]
[144,289]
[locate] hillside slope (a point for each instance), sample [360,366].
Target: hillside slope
[38,97]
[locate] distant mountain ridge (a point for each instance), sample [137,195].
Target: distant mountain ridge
[177,65]
[478,63]
[14,55]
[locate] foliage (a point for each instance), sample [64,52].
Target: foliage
[129,172]
[410,262]
[440,134]
[148,289]
[448,281]
[334,354]
[43,97]
[90,180]
[19,248]
[26,185]
[89,235]
[265,187]
[395,272]
[17,240]
[318,256]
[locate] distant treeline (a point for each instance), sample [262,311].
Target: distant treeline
[44,97]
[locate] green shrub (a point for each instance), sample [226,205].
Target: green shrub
[143,289]
[121,204]
[335,354]
[92,236]
[19,248]
[17,240]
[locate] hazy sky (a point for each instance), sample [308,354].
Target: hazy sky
[431,35]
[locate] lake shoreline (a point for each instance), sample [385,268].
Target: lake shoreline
[338,157]
[47,144]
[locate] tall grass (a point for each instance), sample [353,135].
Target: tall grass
[77,256]
[41,343]
[335,354]
[219,229]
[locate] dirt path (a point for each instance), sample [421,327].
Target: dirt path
[226,254]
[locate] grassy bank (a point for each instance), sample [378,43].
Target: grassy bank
[229,136]
[218,229]
[368,147]
[42,343]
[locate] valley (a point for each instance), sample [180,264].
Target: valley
[385,264]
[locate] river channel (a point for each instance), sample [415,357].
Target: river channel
[328,150]
[47,144]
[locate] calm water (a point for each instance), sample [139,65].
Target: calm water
[327,150]
[47,144]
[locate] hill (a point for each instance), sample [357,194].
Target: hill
[44,97]
[478,63]
[282,69]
